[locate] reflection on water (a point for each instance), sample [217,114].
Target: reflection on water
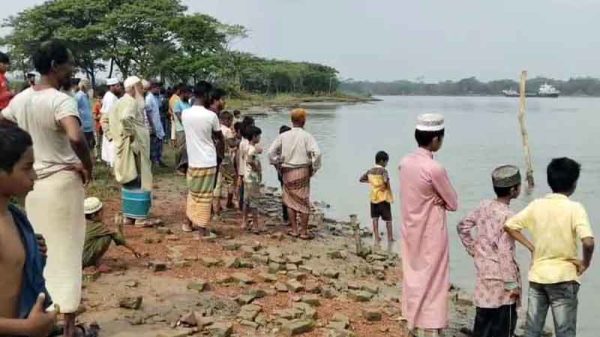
[482,133]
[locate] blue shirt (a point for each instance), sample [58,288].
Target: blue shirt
[84,107]
[153,113]
[33,271]
[178,109]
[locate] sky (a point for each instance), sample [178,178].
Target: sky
[428,40]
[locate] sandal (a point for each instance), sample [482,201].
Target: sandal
[292,234]
[307,236]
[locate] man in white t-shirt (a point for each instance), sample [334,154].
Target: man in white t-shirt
[63,165]
[201,126]
[108,101]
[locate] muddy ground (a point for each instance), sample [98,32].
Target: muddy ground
[242,284]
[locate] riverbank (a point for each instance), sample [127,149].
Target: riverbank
[281,101]
[240,284]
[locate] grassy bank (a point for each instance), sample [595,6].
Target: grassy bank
[246,101]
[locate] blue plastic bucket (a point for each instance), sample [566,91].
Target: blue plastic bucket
[136,203]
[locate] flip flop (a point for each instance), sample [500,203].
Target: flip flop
[292,234]
[307,236]
[186,228]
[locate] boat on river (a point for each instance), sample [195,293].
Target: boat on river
[546,90]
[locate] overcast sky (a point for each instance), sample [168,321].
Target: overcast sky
[408,39]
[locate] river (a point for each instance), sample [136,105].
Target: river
[481,134]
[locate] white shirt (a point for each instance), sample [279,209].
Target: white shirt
[199,124]
[108,101]
[242,153]
[39,113]
[295,148]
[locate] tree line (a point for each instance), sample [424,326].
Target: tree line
[157,39]
[585,86]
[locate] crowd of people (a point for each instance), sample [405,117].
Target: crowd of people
[53,130]
[48,141]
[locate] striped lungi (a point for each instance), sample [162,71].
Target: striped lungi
[55,209]
[200,183]
[296,188]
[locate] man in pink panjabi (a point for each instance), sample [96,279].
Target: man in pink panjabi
[426,195]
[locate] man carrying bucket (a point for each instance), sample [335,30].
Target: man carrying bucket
[132,166]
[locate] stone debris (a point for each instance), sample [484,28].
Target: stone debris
[172,237]
[133,303]
[180,332]
[289,314]
[311,299]
[295,259]
[158,266]
[242,278]
[231,262]
[291,267]
[331,273]
[275,267]
[312,287]
[297,275]
[338,254]
[210,262]
[307,310]
[294,286]
[372,314]
[360,295]
[132,284]
[370,287]
[198,286]
[262,259]
[220,329]
[281,287]
[297,327]
[249,312]
[189,319]
[231,245]
[266,277]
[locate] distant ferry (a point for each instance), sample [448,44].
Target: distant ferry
[546,90]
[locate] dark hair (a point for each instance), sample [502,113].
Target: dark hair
[216,94]
[202,90]
[14,141]
[424,138]
[237,126]
[563,174]
[4,58]
[252,131]
[49,53]
[179,87]
[248,120]
[502,192]
[225,115]
[284,128]
[100,91]
[236,112]
[381,156]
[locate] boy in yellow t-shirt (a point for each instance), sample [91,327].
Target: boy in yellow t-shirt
[556,225]
[381,195]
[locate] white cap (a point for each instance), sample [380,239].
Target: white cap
[92,205]
[131,81]
[146,84]
[430,122]
[111,81]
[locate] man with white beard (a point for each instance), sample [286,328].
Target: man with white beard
[131,138]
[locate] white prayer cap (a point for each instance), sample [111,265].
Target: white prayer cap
[111,81]
[146,84]
[430,122]
[131,81]
[92,205]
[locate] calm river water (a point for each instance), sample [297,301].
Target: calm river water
[482,133]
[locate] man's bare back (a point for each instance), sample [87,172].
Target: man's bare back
[12,261]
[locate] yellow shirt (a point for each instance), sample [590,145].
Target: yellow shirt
[379,181]
[556,225]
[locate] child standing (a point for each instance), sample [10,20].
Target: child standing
[227,172]
[98,237]
[252,180]
[381,195]
[497,290]
[24,297]
[556,224]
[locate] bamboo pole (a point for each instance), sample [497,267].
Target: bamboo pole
[524,134]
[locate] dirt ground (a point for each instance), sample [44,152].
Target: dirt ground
[166,297]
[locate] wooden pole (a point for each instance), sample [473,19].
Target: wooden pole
[524,134]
